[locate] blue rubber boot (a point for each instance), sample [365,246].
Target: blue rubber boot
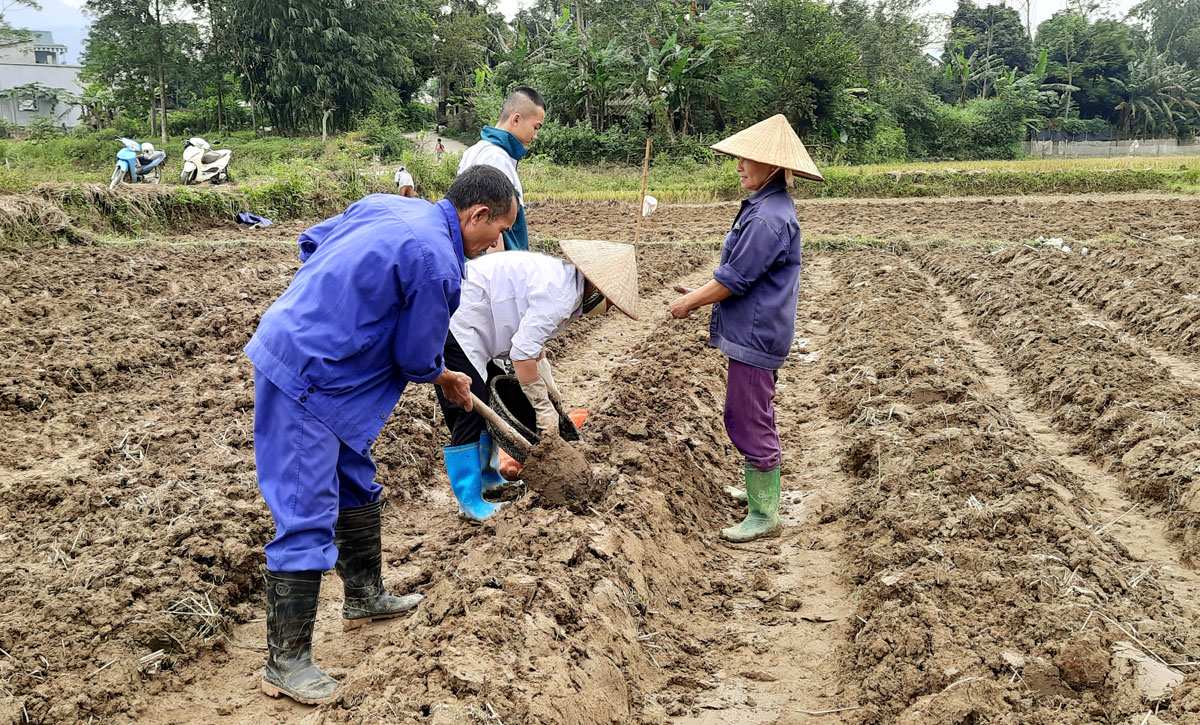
[489,457]
[466,480]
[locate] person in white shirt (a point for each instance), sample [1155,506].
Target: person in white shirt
[512,304]
[405,186]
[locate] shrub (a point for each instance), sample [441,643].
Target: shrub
[43,128]
[581,144]
[1084,126]
[888,144]
[385,140]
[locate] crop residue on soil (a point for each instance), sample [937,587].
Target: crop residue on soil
[560,475]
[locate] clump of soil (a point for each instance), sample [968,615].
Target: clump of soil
[560,475]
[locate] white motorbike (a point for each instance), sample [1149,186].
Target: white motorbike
[201,163]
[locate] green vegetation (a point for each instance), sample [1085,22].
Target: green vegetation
[852,76]
[303,177]
[55,186]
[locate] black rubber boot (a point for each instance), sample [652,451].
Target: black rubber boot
[291,612]
[360,564]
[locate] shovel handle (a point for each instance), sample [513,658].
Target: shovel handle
[500,424]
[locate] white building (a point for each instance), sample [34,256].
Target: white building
[38,61]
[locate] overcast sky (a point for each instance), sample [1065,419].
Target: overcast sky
[66,20]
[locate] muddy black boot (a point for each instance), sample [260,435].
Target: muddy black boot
[360,563]
[291,612]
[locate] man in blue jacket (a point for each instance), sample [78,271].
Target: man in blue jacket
[366,314]
[503,145]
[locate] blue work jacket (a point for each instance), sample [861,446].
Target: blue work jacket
[366,314]
[760,264]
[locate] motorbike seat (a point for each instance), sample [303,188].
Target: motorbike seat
[211,157]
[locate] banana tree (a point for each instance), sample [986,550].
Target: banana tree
[1158,96]
[959,69]
[672,69]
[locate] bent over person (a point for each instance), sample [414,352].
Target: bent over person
[366,314]
[513,303]
[755,290]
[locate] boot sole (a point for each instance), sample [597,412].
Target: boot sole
[772,534]
[275,691]
[349,624]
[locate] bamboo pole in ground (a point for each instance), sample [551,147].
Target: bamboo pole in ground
[637,228]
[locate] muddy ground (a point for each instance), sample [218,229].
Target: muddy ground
[980,526]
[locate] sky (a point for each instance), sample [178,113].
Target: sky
[66,20]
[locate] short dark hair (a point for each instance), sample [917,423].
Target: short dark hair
[485,185]
[519,101]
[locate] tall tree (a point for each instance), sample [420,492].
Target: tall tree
[802,56]
[1084,57]
[1064,38]
[995,30]
[118,56]
[314,64]
[1174,28]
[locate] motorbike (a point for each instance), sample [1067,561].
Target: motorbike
[201,163]
[137,163]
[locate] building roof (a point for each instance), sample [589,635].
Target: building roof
[43,38]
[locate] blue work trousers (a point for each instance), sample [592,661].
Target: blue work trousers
[306,475]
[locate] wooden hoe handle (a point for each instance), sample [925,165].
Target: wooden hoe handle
[500,424]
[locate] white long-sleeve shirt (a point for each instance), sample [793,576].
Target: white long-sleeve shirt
[512,304]
[486,153]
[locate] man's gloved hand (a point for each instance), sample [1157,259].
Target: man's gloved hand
[539,397]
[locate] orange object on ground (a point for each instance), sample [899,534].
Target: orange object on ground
[510,467]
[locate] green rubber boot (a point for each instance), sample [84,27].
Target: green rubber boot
[762,498]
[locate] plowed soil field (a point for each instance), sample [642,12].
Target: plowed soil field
[990,498]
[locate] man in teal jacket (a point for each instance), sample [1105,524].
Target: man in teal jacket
[503,145]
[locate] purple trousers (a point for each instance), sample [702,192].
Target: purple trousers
[750,414]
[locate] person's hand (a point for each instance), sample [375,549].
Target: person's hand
[680,308]
[539,397]
[457,388]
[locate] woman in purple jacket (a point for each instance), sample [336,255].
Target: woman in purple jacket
[754,293]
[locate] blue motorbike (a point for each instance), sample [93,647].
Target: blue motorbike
[137,163]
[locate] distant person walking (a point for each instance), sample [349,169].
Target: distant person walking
[506,143]
[440,149]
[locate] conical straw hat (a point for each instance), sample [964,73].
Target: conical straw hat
[772,142]
[611,266]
